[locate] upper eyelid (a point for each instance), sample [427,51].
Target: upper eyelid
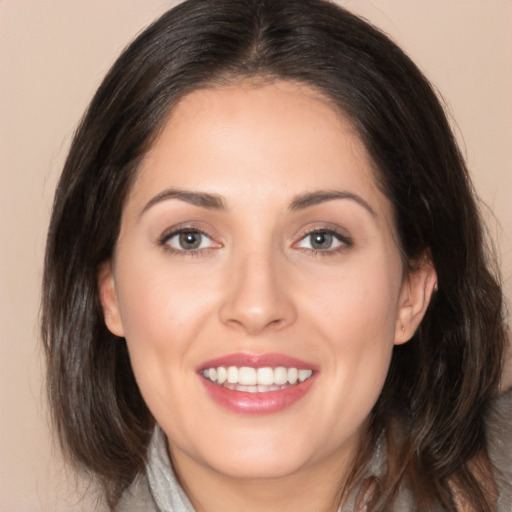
[325,230]
[345,240]
[164,241]
[340,233]
[193,226]
[335,230]
[169,233]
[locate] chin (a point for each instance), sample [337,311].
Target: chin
[262,467]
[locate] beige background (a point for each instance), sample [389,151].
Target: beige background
[53,55]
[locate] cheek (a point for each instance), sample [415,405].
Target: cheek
[362,333]
[355,316]
[162,313]
[357,307]
[162,316]
[159,303]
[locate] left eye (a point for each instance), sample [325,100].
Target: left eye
[188,240]
[321,240]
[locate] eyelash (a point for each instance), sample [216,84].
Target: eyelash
[345,241]
[164,239]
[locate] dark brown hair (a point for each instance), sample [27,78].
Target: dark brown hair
[440,383]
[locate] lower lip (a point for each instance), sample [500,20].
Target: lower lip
[267,402]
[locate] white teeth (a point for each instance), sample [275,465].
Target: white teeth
[222,375]
[293,375]
[248,389]
[304,374]
[246,376]
[232,375]
[265,376]
[280,376]
[253,380]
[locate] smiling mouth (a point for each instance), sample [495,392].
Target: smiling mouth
[256,380]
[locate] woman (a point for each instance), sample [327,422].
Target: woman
[266,285]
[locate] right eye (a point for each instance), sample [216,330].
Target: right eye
[187,240]
[324,241]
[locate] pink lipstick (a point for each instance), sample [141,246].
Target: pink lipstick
[257,383]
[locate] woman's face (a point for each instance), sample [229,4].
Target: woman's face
[258,282]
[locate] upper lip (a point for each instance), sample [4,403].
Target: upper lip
[256,361]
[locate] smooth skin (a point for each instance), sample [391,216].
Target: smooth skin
[256,225]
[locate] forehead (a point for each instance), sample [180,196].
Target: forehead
[260,140]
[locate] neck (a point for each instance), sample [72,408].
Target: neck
[316,488]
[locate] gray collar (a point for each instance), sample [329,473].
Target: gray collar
[163,483]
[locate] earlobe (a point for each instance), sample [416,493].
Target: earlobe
[108,299]
[415,296]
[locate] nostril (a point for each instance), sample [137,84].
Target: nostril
[253,326]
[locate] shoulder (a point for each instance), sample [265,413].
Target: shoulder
[499,438]
[137,497]
[499,428]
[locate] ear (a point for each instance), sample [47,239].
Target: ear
[108,299]
[417,289]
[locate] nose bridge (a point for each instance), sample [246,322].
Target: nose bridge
[255,298]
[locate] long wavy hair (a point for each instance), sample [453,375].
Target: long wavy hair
[433,406]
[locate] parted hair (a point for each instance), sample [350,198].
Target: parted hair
[433,407]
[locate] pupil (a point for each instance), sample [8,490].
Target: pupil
[321,240]
[190,240]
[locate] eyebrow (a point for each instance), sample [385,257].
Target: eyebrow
[216,202]
[201,199]
[309,199]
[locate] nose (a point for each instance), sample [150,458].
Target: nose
[257,298]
